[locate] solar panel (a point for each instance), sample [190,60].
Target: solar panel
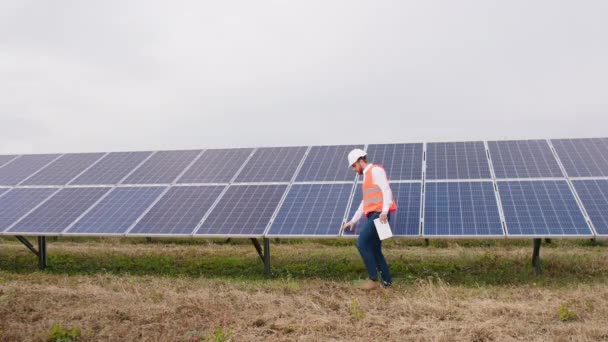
[19,202]
[523,159]
[594,195]
[59,211]
[461,209]
[327,163]
[64,169]
[541,208]
[312,210]
[400,161]
[272,164]
[5,159]
[583,157]
[111,169]
[24,166]
[244,210]
[3,190]
[162,168]
[216,166]
[117,211]
[459,160]
[405,221]
[179,211]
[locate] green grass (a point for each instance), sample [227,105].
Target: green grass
[458,262]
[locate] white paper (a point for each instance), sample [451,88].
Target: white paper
[383,229]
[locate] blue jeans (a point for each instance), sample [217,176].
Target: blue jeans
[370,248]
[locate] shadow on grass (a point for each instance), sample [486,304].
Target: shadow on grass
[481,265]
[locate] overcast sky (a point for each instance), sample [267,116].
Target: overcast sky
[118,75]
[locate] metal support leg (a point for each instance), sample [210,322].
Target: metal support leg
[267,256]
[42,252]
[27,244]
[536,257]
[427,242]
[258,248]
[264,254]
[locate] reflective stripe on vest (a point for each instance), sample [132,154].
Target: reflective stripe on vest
[372,194]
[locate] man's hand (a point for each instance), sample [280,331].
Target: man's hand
[384,217]
[348,226]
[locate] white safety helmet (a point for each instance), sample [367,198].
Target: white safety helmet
[354,155]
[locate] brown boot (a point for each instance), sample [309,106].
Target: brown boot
[370,285]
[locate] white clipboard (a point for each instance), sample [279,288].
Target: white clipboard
[383,229]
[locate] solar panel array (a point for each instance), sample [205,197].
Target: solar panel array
[528,188]
[523,159]
[461,209]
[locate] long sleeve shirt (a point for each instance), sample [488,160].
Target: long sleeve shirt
[379,178]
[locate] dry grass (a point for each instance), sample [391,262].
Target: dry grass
[113,306]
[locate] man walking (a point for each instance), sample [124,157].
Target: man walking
[377,203]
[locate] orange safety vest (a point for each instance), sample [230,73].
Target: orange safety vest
[372,194]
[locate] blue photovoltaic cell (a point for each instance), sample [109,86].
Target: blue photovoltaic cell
[111,169]
[59,211]
[312,210]
[594,195]
[461,209]
[162,168]
[459,160]
[583,157]
[19,202]
[272,164]
[400,161]
[24,166]
[4,159]
[541,208]
[327,163]
[216,166]
[243,210]
[405,221]
[523,159]
[179,211]
[3,190]
[117,211]
[64,169]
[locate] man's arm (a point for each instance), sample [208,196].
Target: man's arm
[356,217]
[358,213]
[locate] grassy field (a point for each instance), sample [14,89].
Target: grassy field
[191,290]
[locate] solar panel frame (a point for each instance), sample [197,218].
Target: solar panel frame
[514,159]
[581,158]
[327,163]
[16,203]
[475,157]
[389,155]
[212,162]
[551,190]
[484,206]
[112,168]
[163,168]
[272,164]
[155,212]
[123,205]
[63,170]
[413,198]
[24,167]
[231,202]
[291,199]
[58,212]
